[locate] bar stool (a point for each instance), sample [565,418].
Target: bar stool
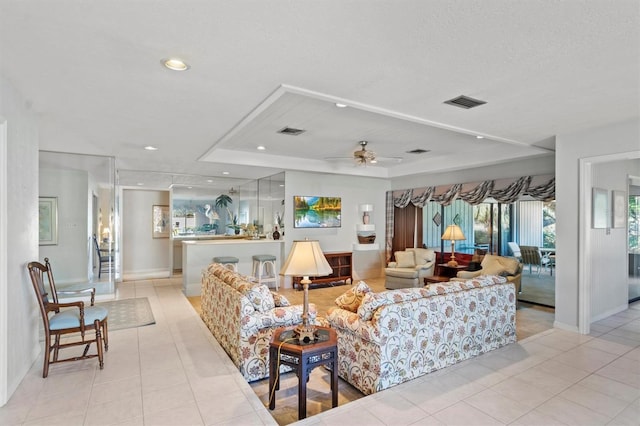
[265,269]
[228,262]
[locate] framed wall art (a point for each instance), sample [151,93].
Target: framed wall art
[48,221]
[599,208]
[161,220]
[618,209]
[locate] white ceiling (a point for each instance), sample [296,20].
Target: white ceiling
[92,72]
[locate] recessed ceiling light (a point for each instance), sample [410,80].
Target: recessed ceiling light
[374,161]
[339,105]
[225,173]
[189,187]
[479,137]
[140,183]
[151,148]
[175,64]
[210,180]
[261,148]
[281,185]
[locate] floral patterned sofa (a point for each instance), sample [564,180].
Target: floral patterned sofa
[390,337]
[242,316]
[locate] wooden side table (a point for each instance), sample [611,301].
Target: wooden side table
[436,279]
[303,358]
[445,270]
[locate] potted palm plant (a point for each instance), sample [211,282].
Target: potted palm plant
[223,202]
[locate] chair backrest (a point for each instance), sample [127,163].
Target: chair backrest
[531,255]
[97,245]
[515,249]
[37,272]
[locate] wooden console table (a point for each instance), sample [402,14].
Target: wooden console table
[342,265]
[303,358]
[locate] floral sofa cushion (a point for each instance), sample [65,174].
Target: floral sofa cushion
[241,322]
[412,332]
[351,299]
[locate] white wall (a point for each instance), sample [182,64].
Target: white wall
[609,284]
[19,344]
[353,191]
[617,138]
[143,256]
[70,257]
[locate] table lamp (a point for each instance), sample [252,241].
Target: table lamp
[306,259]
[453,233]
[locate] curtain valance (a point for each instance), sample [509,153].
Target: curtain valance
[502,191]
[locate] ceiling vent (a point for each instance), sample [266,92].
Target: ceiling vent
[465,102]
[418,151]
[291,131]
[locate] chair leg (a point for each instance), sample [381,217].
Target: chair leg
[105,335]
[47,354]
[98,327]
[56,347]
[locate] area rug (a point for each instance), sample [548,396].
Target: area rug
[129,313]
[538,289]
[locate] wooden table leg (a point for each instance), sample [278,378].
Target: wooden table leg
[334,382]
[274,378]
[303,376]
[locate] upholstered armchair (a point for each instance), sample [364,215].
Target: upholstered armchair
[508,267]
[410,268]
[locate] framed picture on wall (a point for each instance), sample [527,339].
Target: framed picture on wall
[48,221]
[161,222]
[599,208]
[618,209]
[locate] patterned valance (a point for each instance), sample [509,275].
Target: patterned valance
[546,191]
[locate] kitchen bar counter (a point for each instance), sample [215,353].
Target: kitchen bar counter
[197,255]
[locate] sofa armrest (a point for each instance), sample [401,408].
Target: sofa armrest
[427,265]
[350,322]
[277,317]
[468,274]
[392,264]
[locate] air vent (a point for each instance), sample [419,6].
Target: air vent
[291,131]
[418,151]
[465,102]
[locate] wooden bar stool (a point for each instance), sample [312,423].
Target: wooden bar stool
[265,269]
[229,262]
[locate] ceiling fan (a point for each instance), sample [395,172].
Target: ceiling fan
[233,191]
[363,156]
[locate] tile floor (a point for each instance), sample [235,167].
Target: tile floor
[175,373]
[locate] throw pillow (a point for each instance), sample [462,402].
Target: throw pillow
[259,295]
[423,255]
[351,299]
[280,300]
[405,259]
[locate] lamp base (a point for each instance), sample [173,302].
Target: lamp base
[305,333]
[452,263]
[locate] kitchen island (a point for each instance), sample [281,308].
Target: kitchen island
[198,254]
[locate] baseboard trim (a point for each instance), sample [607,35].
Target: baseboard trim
[566,327]
[146,275]
[610,312]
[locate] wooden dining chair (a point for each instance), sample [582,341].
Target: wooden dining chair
[60,319]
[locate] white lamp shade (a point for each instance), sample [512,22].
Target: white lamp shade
[306,259]
[453,233]
[366,207]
